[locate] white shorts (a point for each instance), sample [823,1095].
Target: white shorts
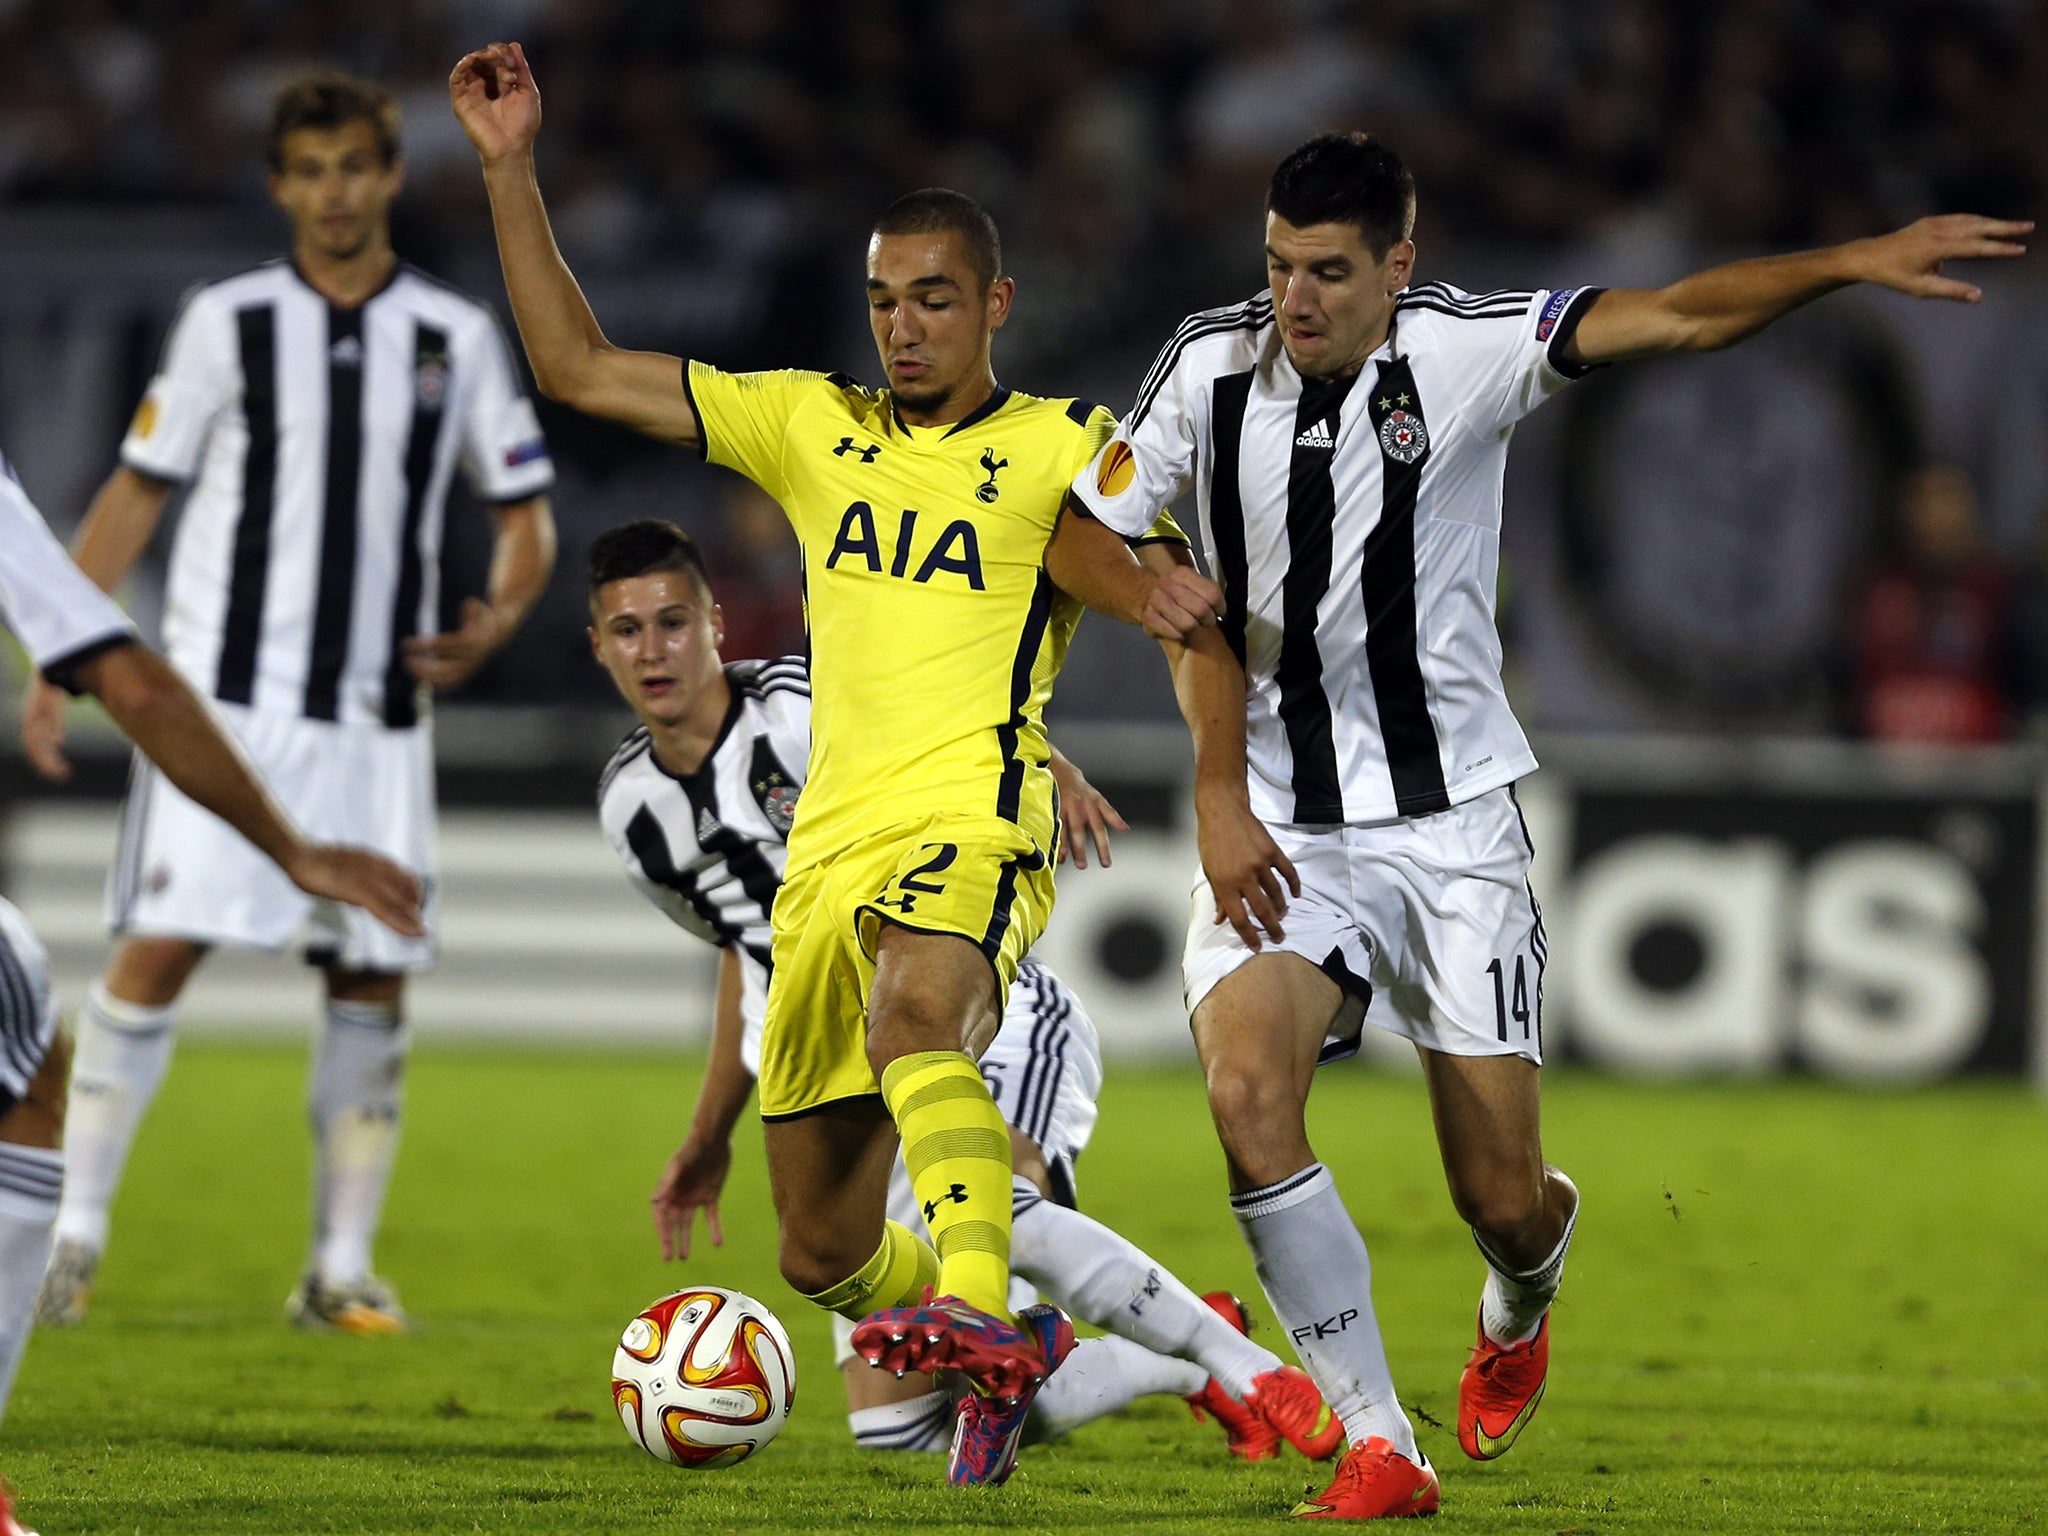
[28,1009]
[1427,923]
[181,872]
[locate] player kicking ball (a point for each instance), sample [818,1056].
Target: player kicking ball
[1348,434]
[698,802]
[921,869]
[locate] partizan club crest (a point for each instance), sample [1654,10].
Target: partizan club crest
[430,380]
[1403,437]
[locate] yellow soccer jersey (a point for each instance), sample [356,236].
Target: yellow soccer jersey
[935,633]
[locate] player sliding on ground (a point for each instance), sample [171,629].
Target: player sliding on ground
[1347,435]
[929,515]
[82,643]
[698,802]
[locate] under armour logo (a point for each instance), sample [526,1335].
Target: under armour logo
[867,454]
[991,463]
[957,1194]
[1326,1327]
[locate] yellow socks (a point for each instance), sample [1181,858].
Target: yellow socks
[895,1277]
[957,1149]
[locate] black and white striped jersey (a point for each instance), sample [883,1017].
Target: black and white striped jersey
[1354,525]
[320,444]
[708,848]
[46,602]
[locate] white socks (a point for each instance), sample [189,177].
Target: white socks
[353,1101]
[1103,1278]
[29,1180]
[122,1054]
[1511,1306]
[1313,1265]
[922,1424]
[1102,1376]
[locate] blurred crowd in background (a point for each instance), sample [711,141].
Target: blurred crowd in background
[712,166]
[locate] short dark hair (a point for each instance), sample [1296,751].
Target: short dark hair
[329,100]
[1347,178]
[936,210]
[641,549]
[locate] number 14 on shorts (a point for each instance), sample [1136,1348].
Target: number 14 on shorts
[1510,1003]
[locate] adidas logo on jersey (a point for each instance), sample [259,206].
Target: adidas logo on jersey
[346,353]
[707,826]
[1317,436]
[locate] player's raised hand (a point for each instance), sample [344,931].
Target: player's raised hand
[1182,602]
[42,729]
[691,1181]
[495,100]
[1248,874]
[1910,259]
[363,879]
[1087,813]
[446,661]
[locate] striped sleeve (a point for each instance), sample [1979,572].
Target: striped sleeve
[1506,349]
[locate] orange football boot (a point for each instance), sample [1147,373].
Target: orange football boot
[1251,1437]
[1374,1482]
[1498,1394]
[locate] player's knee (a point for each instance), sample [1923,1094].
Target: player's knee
[811,1268]
[1248,1101]
[1499,1204]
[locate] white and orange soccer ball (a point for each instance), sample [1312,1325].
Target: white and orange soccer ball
[703,1378]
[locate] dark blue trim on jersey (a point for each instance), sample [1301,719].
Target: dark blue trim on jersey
[1010,792]
[249,568]
[62,671]
[703,435]
[1078,411]
[980,413]
[1567,328]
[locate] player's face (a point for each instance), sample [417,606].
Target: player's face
[658,635]
[932,318]
[1331,298]
[336,189]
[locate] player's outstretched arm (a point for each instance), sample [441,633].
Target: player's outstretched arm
[1092,563]
[1723,305]
[695,1176]
[116,529]
[1085,812]
[522,558]
[166,720]
[498,105]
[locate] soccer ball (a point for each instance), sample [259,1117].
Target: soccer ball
[703,1378]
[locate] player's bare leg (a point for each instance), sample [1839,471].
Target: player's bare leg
[354,1099]
[125,1039]
[31,1138]
[1521,1212]
[1259,1032]
[828,1172]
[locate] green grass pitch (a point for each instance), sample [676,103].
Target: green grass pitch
[1791,1308]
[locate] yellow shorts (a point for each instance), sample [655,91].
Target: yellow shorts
[979,877]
